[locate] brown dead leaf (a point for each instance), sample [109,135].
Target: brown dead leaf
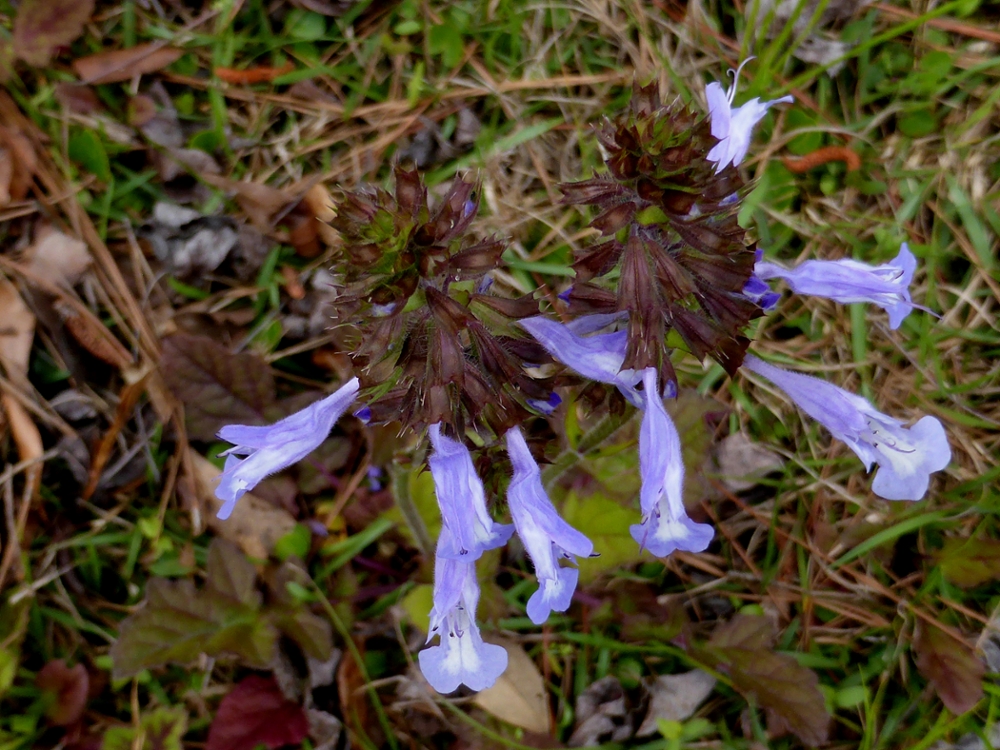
[743,463]
[115,65]
[518,697]
[255,524]
[259,202]
[21,165]
[27,438]
[17,331]
[320,202]
[56,257]
[674,697]
[43,25]
[6,176]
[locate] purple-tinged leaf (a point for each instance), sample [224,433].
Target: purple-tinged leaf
[257,713]
[951,667]
[788,692]
[217,387]
[43,25]
[65,690]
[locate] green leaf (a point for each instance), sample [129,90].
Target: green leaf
[295,543]
[417,604]
[788,692]
[951,667]
[918,124]
[304,25]
[162,729]
[179,622]
[86,149]
[606,524]
[970,562]
[446,40]
[43,25]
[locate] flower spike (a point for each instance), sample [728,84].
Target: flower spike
[665,526]
[269,449]
[846,281]
[461,657]
[906,456]
[545,535]
[462,500]
[733,126]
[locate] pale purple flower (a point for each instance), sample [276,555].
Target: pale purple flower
[906,456]
[758,291]
[846,281]
[272,448]
[462,500]
[733,126]
[598,356]
[545,535]
[461,657]
[665,526]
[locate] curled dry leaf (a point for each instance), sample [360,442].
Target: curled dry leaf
[674,697]
[17,165]
[17,331]
[90,333]
[115,65]
[43,25]
[255,524]
[259,202]
[603,714]
[56,257]
[519,696]
[743,463]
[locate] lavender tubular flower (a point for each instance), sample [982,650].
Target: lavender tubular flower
[906,456]
[461,657]
[462,500]
[545,535]
[598,357]
[272,448]
[733,126]
[665,526]
[846,281]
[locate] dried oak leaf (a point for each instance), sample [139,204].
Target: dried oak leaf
[257,713]
[43,25]
[789,693]
[951,667]
[116,65]
[216,386]
[65,690]
[179,622]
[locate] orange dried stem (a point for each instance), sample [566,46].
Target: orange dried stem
[822,156]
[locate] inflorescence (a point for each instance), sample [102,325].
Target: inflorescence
[441,353]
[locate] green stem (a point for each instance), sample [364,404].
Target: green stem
[402,484]
[341,628]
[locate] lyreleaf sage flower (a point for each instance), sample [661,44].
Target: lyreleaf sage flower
[906,456]
[269,449]
[847,281]
[461,657]
[733,126]
[665,525]
[462,500]
[545,535]
[598,356]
